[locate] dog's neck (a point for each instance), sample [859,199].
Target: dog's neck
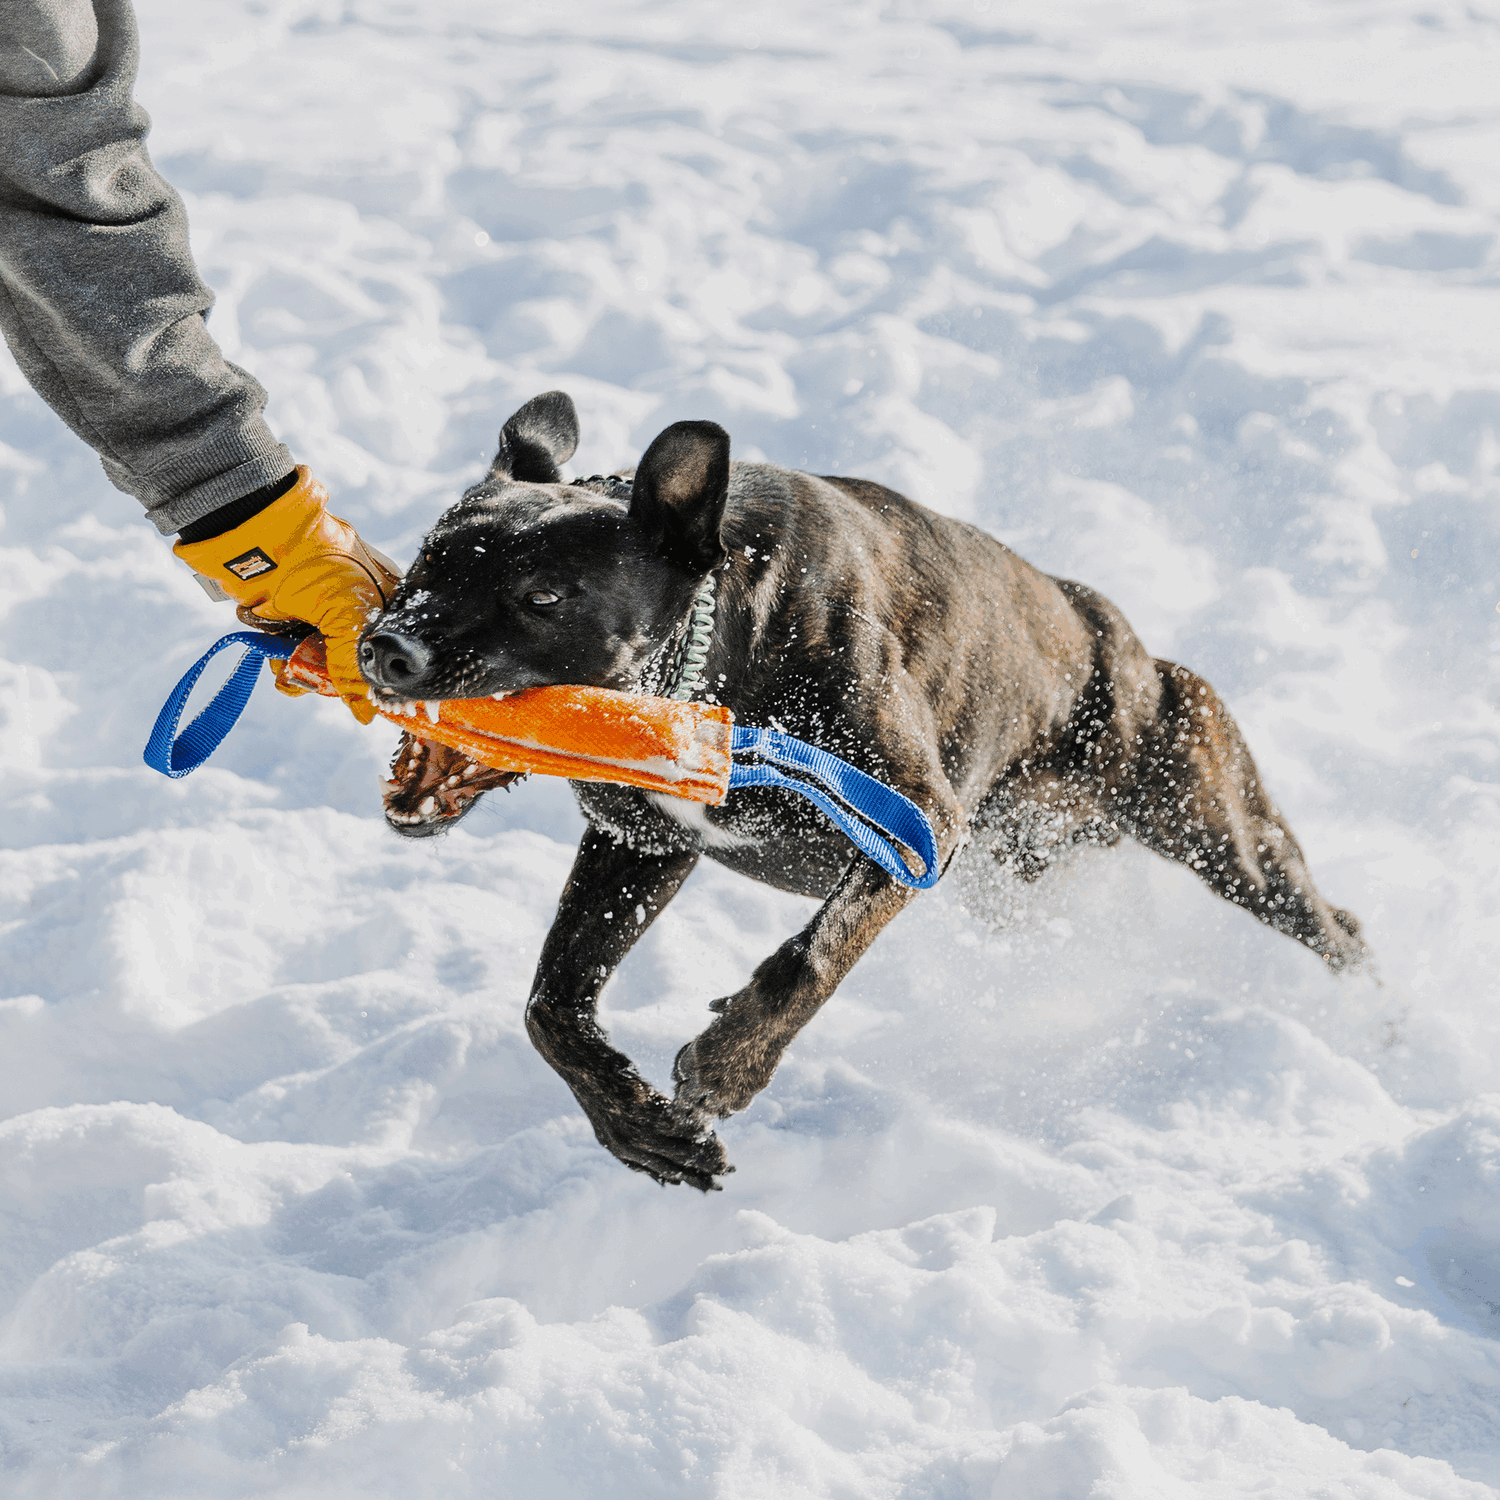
[694,639]
[677,669]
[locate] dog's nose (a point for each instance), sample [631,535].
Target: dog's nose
[392,660]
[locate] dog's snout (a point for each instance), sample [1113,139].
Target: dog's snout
[393,660]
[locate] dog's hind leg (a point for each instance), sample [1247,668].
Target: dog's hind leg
[1193,794]
[612,896]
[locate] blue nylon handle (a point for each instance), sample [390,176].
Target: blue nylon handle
[176,754]
[895,816]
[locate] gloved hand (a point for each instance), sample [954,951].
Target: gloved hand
[294,561]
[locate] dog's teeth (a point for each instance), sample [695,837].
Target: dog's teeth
[451,781]
[427,806]
[469,770]
[498,696]
[430,707]
[387,787]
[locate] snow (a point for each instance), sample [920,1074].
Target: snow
[1092,1188]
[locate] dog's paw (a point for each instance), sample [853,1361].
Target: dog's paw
[652,1135]
[717,1076]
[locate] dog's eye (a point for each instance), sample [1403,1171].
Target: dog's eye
[542,596]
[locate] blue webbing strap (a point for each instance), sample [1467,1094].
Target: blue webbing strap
[868,811]
[187,751]
[893,816]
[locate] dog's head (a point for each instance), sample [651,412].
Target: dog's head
[528,582]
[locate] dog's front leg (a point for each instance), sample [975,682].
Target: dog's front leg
[727,1064]
[723,1068]
[612,896]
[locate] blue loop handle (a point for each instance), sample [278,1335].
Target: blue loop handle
[893,816]
[187,751]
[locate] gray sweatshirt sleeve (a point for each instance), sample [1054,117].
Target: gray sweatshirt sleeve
[99,299]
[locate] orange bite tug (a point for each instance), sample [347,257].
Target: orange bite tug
[582,733]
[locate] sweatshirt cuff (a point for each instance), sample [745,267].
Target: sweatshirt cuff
[186,490]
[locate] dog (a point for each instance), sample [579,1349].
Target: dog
[1017,710]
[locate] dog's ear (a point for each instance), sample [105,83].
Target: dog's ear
[539,438]
[681,487]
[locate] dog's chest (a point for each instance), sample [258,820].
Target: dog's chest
[694,818]
[761,832]
[656,823]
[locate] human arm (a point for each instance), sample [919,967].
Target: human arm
[104,311]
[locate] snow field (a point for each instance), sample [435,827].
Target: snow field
[1087,1188]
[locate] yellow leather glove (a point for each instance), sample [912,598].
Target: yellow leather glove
[294,561]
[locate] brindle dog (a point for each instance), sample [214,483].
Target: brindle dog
[1013,708]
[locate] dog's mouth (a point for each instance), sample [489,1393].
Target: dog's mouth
[432,786]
